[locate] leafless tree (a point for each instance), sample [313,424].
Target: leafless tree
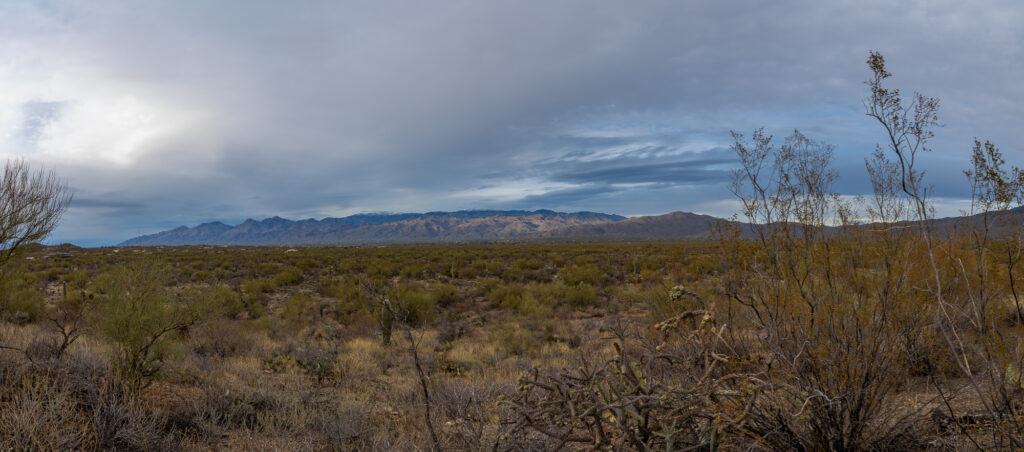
[31,205]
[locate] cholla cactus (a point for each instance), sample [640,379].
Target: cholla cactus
[677,292]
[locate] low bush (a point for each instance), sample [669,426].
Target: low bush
[288,277]
[300,309]
[412,303]
[136,312]
[444,295]
[576,274]
[581,295]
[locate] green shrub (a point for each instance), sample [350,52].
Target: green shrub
[138,314]
[702,264]
[517,339]
[267,268]
[52,274]
[549,294]
[381,268]
[532,307]
[19,295]
[508,296]
[288,277]
[581,295]
[300,309]
[352,299]
[513,273]
[467,272]
[444,295]
[256,287]
[413,270]
[488,284]
[220,299]
[412,304]
[586,273]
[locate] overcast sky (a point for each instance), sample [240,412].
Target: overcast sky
[160,114]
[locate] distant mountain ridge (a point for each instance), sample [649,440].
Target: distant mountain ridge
[468,225]
[678,226]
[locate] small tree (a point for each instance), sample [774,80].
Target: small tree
[31,205]
[141,317]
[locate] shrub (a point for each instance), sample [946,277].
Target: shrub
[581,295]
[66,410]
[219,299]
[300,309]
[136,312]
[412,304]
[650,276]
[444,295]
[221,338]
[352,299]
[288,277]
[634,401]
[255,287]
[577,273]
[521,338]
[19,298]
[467,272]
[513,273]
[508,296]
[78,279]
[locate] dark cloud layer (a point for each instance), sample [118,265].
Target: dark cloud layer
[166,113]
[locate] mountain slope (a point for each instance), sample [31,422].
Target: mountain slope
[671,226]
[378,228]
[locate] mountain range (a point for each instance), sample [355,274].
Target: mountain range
[478,226]
[437,227]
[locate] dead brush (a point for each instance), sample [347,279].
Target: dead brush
[695,400]
[75,404]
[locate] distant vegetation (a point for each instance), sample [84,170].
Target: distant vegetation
[805,328]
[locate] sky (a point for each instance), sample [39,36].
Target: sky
[168,113]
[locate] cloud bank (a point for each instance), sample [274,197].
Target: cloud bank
[168,113]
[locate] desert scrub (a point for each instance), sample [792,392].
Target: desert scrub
[444,295]
[78,279]
[136,312]
[353,303]
[221,338]
[300,309]
[508,296]
[411,303]
[218,298]
[288,277]
[20,300]
[581,295]
[581,273]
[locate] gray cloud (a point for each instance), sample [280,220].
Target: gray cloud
[105,203]
[226,110]
[565,197]
[647,170]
